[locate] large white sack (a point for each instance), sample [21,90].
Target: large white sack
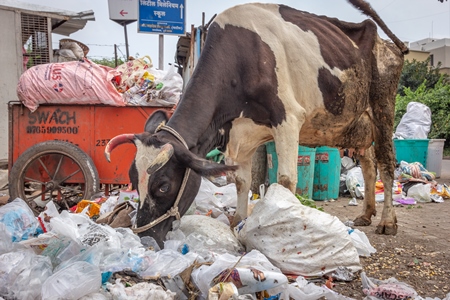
[415,123]
[298,239]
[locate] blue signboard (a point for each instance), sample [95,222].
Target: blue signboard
[162,16]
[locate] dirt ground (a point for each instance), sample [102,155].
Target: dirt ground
[418,255]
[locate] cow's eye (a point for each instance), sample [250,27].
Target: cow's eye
[164,188]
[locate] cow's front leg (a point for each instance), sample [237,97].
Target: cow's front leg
[287,153]
[369,170]
[243,180]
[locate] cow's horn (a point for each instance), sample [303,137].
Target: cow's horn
[116,141]
[161,159]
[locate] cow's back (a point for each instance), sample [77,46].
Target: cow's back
[323,66]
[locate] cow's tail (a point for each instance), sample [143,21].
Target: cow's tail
[367,9]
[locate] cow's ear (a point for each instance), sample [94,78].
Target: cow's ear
[155,119]
[201,166]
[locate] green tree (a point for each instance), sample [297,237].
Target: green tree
[415,73]
[109,62]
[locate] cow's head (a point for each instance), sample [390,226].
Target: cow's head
[157,172]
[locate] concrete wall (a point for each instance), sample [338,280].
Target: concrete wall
[417,55]
[10,70]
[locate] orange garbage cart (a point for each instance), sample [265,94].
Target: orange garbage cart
[57,152]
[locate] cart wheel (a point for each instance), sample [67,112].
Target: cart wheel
[53,170]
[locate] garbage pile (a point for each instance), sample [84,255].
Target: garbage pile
[82,81]
[412,184]
[141,84]
[283,250]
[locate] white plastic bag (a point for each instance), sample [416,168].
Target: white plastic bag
[305,290]
[214,198]
[355,182]
[361,242]
[420,192]
[73,282]
[415,123]
[167,262]
[298,239]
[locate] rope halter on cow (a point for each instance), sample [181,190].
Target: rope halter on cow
[173,211]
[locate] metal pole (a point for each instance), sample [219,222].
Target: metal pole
[126,40]
[115,55]
[161,52]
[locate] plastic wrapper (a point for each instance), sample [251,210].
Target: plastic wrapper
[387,289]
[298,239]
[44,217]
[415,123]
[441,190]
[343,274]
[11,265]
[19,220]
[73,282]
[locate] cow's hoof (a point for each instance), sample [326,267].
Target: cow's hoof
[362,221]
[387,229]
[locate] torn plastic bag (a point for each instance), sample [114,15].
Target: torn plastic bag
[73,282]
[19,220]
[303,290]
[298,239]
[140,291]
[415,123]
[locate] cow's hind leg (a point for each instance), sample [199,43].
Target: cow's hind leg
[369,170]
[386,166]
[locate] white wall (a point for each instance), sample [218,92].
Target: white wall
[10,70]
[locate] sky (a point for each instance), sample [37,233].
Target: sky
[410,20]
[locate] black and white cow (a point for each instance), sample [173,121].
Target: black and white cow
[270,72]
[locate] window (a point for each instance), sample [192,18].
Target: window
[35,40]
